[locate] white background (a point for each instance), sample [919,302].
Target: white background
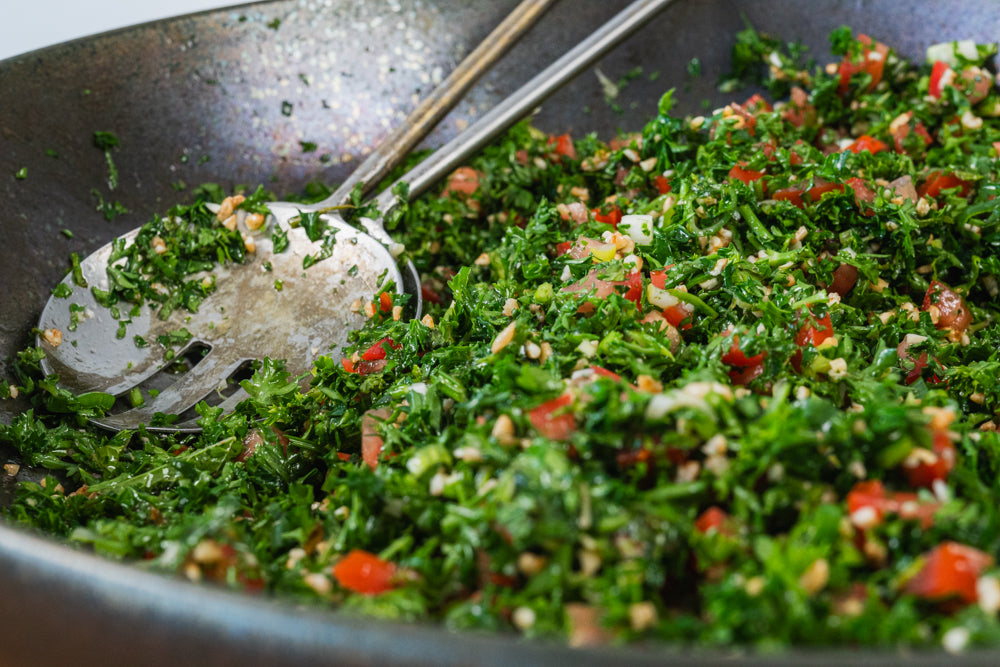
[26,25]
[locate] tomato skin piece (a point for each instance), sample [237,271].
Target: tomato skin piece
[714,519]
[794,194]
[811,334]
[938,71]
[744,376]
[348,365]
[736,357]
[551,425]
[873,66]
[939,180]
[377,350]
[872,494]
[950,570]
[563,145]
[659,278]
[364,572]
[634,292]
[662,184]
[925,473]
[816,332]
[676,315]
[869,144]
[747,176]
[612,217]
[953,313]
[604,372]
[385,302]
[464,181]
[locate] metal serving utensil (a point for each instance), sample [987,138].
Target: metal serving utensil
[246,317]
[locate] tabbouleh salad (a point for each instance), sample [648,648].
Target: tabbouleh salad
[731,379]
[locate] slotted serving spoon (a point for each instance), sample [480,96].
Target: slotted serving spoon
[247,318]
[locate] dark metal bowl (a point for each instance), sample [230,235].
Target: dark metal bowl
[226,96]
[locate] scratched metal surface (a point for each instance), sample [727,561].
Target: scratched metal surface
[227,96]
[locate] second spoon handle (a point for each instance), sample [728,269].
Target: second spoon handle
[521,103]
[433,108]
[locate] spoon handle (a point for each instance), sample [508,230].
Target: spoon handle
[521,103]
[433,108]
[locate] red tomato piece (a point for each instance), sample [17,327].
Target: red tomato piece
[348,365]
[756,104]
[612,217]
[659,278]
[864,196]
[815,332]
[950,570]
[743,376]
[662,184]
[464,181]
[563,248]
[794,194]
[736,357]
[634,292]
[563,145]
[867,143]
[676,315]
[953,313]
[871,60]
[604,372]
[748,176]
[939,77]
[939,180]
[364,572]
[552,421]
[922,471]
[385,302]
[430,295]
[377,350]
[714,519]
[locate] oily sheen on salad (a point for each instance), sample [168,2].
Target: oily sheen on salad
[728,380]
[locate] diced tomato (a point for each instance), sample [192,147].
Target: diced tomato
[736,357]
[871,60]
[714,519]
[348,365]
[676,315]
[756,104]
[815,332]
[662,184]
[799,110]
[385,302]
[938,78]
[937,181]
[463,181]
[950,571]
[634,292]
[811,334]
[612,217]
[563,146]
[604,372]
[923,472]
[864,196]
[953,313]
[659,278]
[377,350]
[748,176]
[794,194]
[872,494]
[552,421]
[563,248]
[867,143]
[743,376]
[371,441]
[901,130]
[364,572]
